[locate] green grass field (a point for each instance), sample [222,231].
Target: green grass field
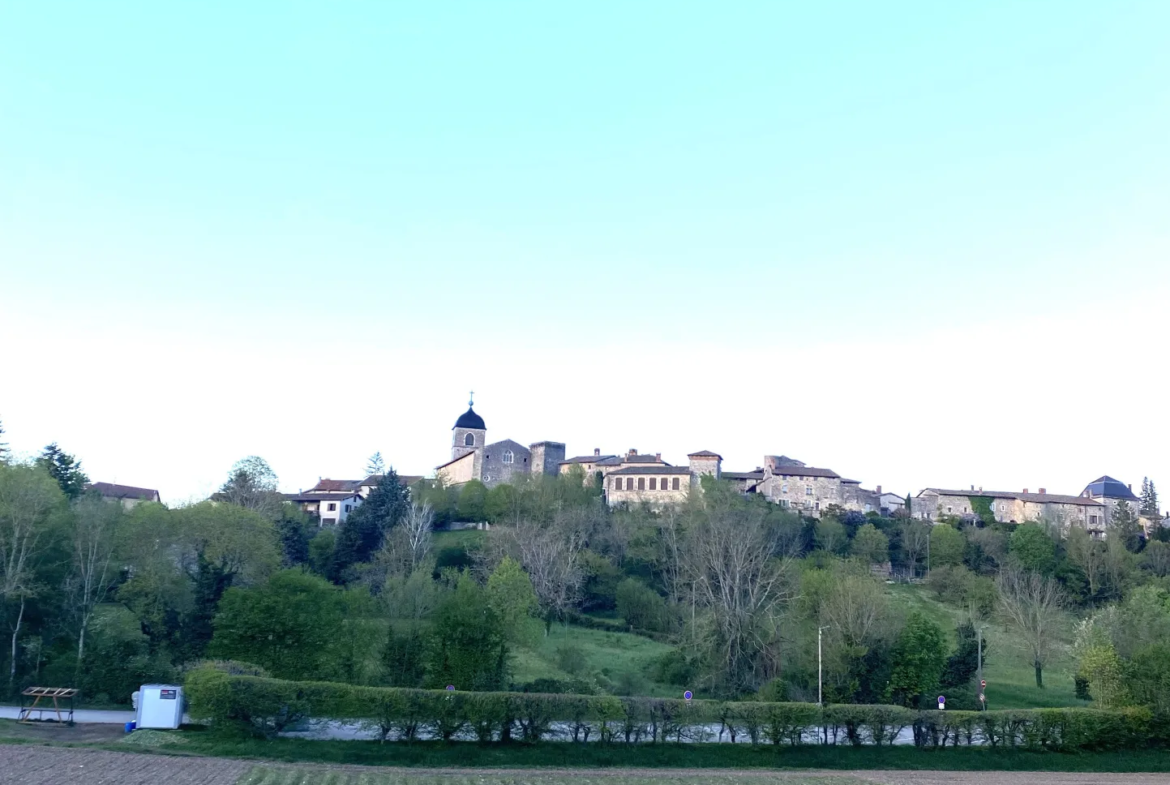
[621,657]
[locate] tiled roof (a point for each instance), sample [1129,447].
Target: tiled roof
[588,459]
[336,485]
[1035,498]
[1110,488]
[114,491]
[804,471]
[312,496]
[403,479]
[705,454]
[650,470]
[642,459]
[758,474]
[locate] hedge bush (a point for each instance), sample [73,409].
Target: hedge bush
[267,706]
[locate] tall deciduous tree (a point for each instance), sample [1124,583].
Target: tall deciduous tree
[65,469]
[551,556]
[946,546]
[468,647]
[96,527]
[511,596]
[871,545]
[1032,548]
[252,484]
[290,625]
[915,538]
[919,658]
[1031,603]
[30,504]
[375,465]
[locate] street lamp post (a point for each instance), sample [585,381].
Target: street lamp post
[820,669]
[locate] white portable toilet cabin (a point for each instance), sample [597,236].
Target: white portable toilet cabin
[159,706]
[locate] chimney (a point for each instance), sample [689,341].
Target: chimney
[1130,486]
[972,487]
[1025,490]
[878,490]
[631,453]
[596,452]
[1043,490]
[658,457]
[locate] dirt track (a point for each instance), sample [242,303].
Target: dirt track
[39,765]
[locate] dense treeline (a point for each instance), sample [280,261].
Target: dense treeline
[105,598]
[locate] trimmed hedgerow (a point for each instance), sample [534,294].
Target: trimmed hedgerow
[268,706]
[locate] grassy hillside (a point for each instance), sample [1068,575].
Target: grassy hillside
[1011,682]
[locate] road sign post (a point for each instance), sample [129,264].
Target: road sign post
[942,702]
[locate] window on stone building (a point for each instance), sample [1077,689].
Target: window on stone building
[641,483]
[1093,519]
[950,509]
[617,483]
[469,440]
[629,483]
[653,483]
[808,490]
[509,457]
[674,484]
[783,502]
[784,488]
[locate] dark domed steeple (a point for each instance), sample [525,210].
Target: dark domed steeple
[469,419]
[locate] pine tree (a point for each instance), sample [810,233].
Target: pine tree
[1149,508]
[5,453]
[65,469]
[1127,527]
[375,465]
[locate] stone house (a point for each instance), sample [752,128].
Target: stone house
[128,496]
[647,478]
[591,465]
[1111,492]
[810,490]
[933,504]
[472,458]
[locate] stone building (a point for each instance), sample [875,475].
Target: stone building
[932,504]
[1111,492]
[594,466]
[472,458]
[647,478]
[128,496]
[810,490]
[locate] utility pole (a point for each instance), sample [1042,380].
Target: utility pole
[820,669]
[979,668]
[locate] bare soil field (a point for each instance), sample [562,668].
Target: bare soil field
[34,764]
[37,765]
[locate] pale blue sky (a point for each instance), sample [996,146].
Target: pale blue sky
[304,230]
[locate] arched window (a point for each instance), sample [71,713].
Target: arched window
[509,457]
[469,440]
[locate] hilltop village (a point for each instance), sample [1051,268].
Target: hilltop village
[633,477]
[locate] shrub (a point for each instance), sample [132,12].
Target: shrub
[268,706]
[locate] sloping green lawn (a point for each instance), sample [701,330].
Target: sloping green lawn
[1011,681]
[621,657]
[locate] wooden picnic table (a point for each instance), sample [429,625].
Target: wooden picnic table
[37,694]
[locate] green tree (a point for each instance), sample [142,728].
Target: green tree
[963,663]
[1033,549]
[472,501]
[1127,527]
[220,546]
[253,485]
[871,545]
[404,658]
[512,599]
[65,469]
[468,646]
[288,626]
[831,536]
[640,606]
[5,453]
[946,546]
[31,508]
[95,531]
[1149,508]
[363,532]
[376,465]
[919,659]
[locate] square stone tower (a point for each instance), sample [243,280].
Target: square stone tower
[546,457]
